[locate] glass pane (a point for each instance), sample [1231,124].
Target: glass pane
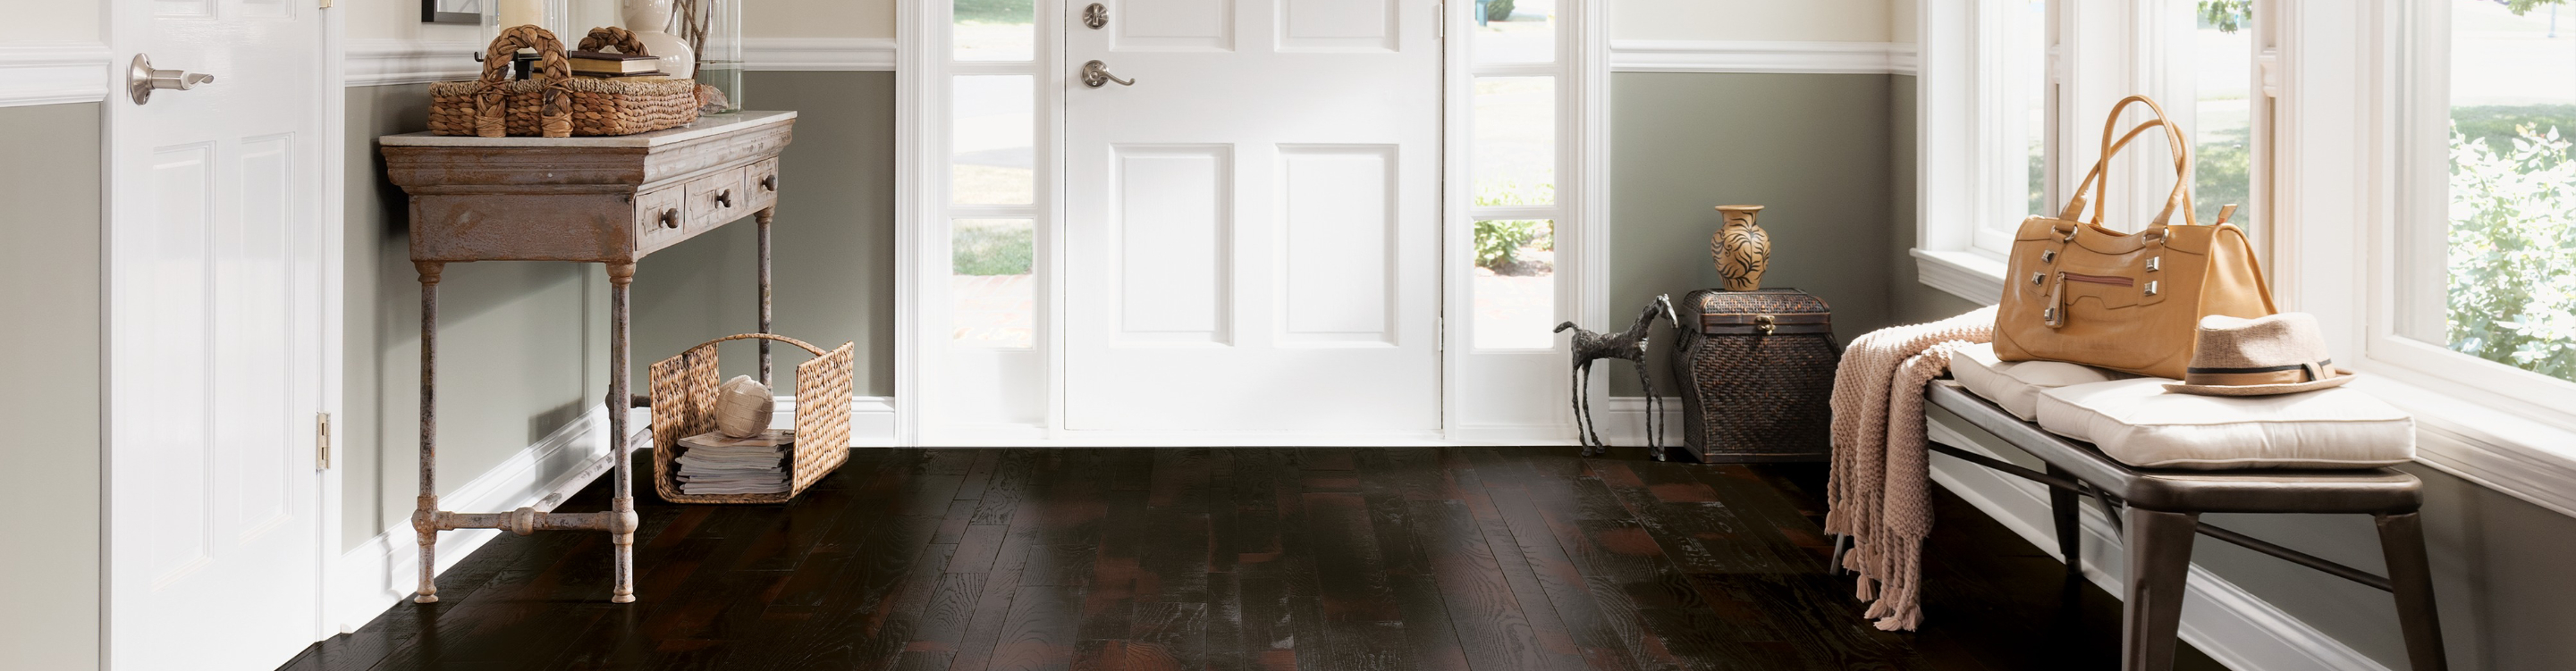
[1515,141]
[2222,121]
[992,143]
[989,282]
[995,30]
[1515,31]
[2031,77]
[1515,284]
[2512,288]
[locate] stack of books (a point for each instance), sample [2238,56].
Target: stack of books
[605,64]
[712,463]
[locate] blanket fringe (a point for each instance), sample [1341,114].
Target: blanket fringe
[1879,490]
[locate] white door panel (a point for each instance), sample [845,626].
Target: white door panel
[1252,229]
[215,276]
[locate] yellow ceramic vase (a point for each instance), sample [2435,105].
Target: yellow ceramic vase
[1740,248]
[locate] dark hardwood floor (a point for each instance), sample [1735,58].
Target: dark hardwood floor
[1240,558]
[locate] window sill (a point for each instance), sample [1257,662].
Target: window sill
[2520,456]
[1970,275]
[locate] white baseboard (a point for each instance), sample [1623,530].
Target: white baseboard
[1621,420]
[871,419]
[53,73]
[382,571]
[2232,625]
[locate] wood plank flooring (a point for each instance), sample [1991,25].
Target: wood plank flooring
[1243,558]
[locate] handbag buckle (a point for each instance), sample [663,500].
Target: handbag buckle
[2155,263]
[2039,278]
[2050,256]
[2151,287]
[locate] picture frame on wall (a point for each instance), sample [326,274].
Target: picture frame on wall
[469,12]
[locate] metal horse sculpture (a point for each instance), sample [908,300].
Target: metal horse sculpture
[1630,345]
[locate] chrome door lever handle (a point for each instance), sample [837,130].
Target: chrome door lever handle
[1096,74]
[141,79]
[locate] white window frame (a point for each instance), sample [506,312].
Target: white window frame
[1969,181]
[2353,79]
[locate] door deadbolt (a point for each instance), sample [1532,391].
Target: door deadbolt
[1096,15]
[1095,74]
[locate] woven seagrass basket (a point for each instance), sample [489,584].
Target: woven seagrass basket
[553,103]
[684,404]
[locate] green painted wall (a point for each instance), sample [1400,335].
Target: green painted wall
[1909,301]
[1812,148]
[832,242]
[523,344]
[51,267]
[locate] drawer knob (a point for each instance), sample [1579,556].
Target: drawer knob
[725,197]
[671,218]
[769,183]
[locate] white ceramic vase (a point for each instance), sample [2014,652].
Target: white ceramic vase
[650,20]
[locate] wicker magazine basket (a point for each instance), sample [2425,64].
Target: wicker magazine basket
[684,403]
[553,103]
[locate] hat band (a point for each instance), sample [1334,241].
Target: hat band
[2265,375]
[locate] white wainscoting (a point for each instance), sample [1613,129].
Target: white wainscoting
[819,53]
[2233,626]
[1758,56]
[54,74]
[386,62]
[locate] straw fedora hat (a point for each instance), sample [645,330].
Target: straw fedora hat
[2279,354]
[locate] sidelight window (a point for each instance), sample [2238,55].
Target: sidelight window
[1514,154]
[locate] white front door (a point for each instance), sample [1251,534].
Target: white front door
[1253,227]
[216,337]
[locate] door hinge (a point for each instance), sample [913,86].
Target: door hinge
[1440,333]
[1439,21]
[322,441]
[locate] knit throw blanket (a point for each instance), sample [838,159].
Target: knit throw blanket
[1880,493]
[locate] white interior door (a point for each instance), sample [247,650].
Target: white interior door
[215,337]
[1252,228]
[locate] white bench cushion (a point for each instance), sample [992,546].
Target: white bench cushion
[2140,424]
[2016,385]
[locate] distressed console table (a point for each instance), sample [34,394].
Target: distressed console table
[605,200]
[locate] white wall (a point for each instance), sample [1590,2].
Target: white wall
[52,21]
[1757,20]
[819,18]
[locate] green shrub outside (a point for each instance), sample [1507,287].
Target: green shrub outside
[990,250]
[996,11]
[2512,246]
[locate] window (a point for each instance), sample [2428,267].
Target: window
[2487,246]
[2222,112]
[993,174]
[1515,154]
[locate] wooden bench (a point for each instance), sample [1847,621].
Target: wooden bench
[2158,513]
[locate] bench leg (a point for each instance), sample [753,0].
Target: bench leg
[2410,575]
[2066,507]
[2159,560]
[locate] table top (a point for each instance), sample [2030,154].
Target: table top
[705,126]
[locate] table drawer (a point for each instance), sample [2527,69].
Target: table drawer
[761,181]
[716,200]
[659,219]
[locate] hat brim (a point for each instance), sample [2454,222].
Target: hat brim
[2340,377]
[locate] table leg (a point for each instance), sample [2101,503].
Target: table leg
[763,218]
[622,520]
[424,516]
[2159,548]
[2410,577]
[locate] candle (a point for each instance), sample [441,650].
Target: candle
[521,12]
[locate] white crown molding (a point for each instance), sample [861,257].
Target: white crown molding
[54,73]
[380,572]
[865,54]
[390,62]
[1758,56]
[2240,630]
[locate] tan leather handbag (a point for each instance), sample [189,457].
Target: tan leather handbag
[2079,292]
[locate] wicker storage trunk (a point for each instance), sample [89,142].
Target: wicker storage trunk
[1756,370]
[552,102]
[684,404]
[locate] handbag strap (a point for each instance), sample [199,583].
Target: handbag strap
[2075,206]
[2181,194]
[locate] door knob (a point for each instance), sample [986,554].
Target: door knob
[141,79]
[1095,74]
[1095,16]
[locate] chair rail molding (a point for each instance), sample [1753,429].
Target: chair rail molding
[390,62]
[862,54]
[1762,56]
[54,73]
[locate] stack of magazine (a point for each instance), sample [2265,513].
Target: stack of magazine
[713,463]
